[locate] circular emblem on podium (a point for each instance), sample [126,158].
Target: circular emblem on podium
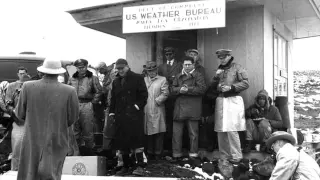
[79,169]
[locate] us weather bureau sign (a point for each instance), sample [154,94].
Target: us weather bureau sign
[174,16]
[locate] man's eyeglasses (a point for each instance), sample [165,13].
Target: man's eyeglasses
[187,65]
[168,54]
[81,67]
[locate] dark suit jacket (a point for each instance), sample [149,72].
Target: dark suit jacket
[170,72]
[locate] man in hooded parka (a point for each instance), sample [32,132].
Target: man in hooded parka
[47,108]
[262,118]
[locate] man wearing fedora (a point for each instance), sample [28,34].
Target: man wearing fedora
[129,95]
[292,163]
[89,93]
[155,114]
[169,69]
[47,108]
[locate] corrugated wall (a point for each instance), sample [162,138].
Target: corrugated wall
[243,34]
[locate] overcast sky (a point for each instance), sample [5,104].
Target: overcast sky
[44,27]
[305,54]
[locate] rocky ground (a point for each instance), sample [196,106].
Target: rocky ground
[307,99]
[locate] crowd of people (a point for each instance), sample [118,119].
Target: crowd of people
[54,117]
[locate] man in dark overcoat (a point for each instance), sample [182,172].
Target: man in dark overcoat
[129,95]
[169,69]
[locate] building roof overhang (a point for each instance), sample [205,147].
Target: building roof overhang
[302,17]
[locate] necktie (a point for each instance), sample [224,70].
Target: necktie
[122,81]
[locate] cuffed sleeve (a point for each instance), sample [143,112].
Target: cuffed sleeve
[276,121]
[21,108]
[200,86]
[164,92]
[97,90]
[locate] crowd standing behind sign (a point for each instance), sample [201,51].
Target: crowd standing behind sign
[174,16]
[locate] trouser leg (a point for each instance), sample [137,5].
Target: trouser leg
[158,143]
[150,142]
[107,131]
[252,133]
[87,124]
[177,138]
[265,130]
[229,145]
[193,129]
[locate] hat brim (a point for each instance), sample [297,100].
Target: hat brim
[288,137]
[51,71]
[120,66]
[192,50]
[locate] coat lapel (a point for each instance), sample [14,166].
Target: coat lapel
[174,66]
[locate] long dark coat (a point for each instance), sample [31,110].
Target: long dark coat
[129,120]
[48,108]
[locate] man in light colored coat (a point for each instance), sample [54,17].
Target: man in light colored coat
[155,114]
[227,84]
[47,108]
[292,163]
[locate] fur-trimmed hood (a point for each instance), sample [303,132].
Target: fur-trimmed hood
[265,94]
[88,74]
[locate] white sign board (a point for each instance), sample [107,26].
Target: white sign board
[174,16]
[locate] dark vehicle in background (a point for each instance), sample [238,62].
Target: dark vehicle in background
[9,66]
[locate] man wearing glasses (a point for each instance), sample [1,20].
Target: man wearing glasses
[169,69]
[89,92]
[189,86]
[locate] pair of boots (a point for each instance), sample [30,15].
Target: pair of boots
[139,171]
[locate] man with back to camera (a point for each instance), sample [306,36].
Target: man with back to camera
[47,108]
[129,95]
[89,92]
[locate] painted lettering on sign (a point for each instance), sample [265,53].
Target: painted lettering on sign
[174,16]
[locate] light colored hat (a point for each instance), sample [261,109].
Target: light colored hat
[151,65]
[193,50]
[51,66]
[223,52]
[280,135]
